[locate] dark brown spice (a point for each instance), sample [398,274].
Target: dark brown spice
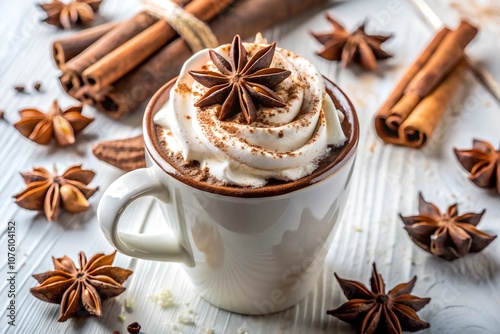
[134,328]
[20,89]
[37,86]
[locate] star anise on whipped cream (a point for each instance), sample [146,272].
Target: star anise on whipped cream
[347,47]
[483,163]
[67,15]
[375,311]
[241,81]
[63,125]
[80,291]
[48,192]
[449,235]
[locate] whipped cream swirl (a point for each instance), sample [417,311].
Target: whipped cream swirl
[283,143]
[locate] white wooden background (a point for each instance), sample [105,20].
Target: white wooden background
[465,293]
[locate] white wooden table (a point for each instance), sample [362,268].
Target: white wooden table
[465,293]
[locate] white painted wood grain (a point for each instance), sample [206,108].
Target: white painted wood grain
[465,293]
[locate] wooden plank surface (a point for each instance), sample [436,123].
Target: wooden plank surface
[465,293]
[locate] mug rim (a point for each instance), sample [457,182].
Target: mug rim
[346,152]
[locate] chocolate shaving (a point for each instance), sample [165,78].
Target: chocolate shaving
[126,154]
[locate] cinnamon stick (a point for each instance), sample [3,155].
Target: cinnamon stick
[126,154]
[85,95]
[66,48]
[429,70]
[107,43]
[245,18]
[126,57]
[389,118]
[421,123]
[71,82]
[447,56]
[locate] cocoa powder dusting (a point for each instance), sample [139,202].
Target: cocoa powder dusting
[183,89]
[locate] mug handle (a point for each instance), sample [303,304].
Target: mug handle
[119,195]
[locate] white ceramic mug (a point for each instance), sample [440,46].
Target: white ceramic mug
[250,251]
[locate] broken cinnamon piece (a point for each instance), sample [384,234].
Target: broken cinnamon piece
[126,154]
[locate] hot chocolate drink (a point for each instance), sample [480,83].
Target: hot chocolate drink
[282,147]
[250,152]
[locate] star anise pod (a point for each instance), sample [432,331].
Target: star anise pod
[48,192]
[62,125]
[378,312]
[448,235]
[357,46]
[483,163]
[241,81]
[80,291]
[67,15]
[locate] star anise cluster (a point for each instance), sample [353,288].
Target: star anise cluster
[81,291]
[48,192]
[347,47]
[375,311]
[241,81]
[449,235]
[482,161]
[67,15]
[61,125]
